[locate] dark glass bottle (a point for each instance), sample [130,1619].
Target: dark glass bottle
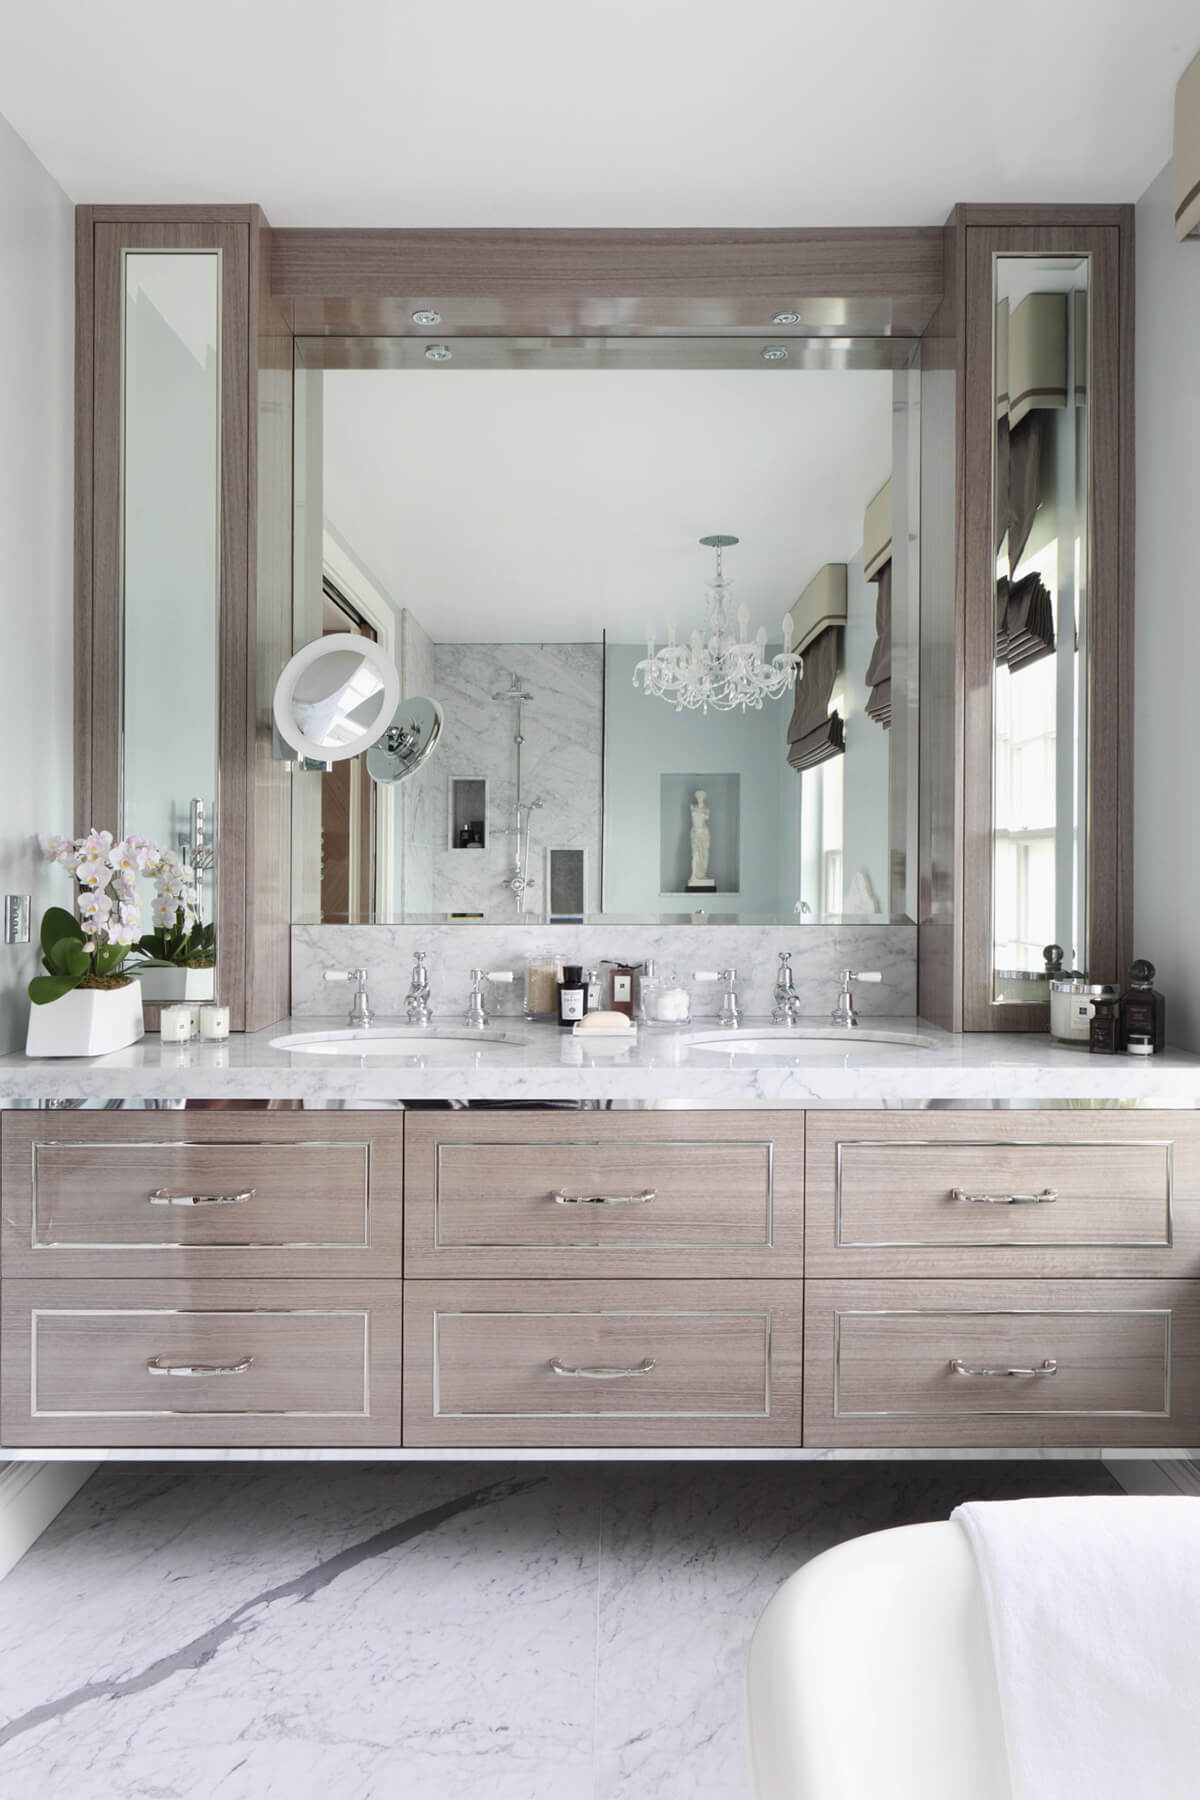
[1104,1032]
[1143,1012]
[572,995]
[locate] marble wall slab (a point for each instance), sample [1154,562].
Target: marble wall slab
[818,953]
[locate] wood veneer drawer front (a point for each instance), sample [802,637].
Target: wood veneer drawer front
[1034,1363]
[610,1363]
[82,1200]
[616,1194]
[1045,1193]
[203,1363]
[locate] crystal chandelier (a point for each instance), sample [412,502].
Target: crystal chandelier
[717,668]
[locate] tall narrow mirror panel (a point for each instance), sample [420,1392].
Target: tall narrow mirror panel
[650,586]
[1041,534]
[170,554]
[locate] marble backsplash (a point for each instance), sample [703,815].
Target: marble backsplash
[818,953]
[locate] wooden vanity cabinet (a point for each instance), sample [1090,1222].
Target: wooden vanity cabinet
[549,1280]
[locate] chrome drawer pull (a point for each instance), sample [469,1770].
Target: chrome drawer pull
[163,1197]
[162,1365]
[959,1367]
[561,1199]
[601,1374]
[1047,1197]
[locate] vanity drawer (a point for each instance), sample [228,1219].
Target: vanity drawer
[279,1362]
[211,1193]
[602,1362]
[599,1194]
[1059,1193]
[931,1363]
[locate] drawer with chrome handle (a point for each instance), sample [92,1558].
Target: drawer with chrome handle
[201,1363]
[280,1194]
[603,1195]
[1039,1363]
[602,1362]
[992,1193]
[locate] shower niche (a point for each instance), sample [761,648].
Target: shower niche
[468,812]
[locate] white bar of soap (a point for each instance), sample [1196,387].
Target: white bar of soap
[604,1021]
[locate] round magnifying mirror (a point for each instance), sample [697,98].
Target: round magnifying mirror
[336,696]
[409,739]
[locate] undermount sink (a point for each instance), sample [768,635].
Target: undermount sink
[397,1041]
[794,1043]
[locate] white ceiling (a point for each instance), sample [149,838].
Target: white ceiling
[543,505]
[596,112]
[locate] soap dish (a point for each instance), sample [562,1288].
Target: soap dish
[614,1035]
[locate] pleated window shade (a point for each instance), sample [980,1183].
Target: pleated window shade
[816,734]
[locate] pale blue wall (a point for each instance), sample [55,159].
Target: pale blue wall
[646,739]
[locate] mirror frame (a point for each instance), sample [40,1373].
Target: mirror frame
[282,703]
[1109,860]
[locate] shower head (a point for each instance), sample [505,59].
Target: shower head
[514,691]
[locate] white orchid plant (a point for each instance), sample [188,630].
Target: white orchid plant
[90,950]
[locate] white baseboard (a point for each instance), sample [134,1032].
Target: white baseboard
[1144,1475]
[31,1494]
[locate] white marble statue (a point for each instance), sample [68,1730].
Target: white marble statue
[701,842]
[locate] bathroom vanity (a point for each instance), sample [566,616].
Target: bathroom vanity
[789,1253]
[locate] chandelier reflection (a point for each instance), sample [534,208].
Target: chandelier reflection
[716,668]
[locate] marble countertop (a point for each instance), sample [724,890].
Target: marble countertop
[662,1067]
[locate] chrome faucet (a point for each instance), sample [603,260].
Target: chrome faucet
[843,1012]
[731,1012]
[477,1013]
[787,1000]
[416,1003]
[361,1015]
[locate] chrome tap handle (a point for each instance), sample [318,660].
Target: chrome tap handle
[787,1000]
[843,1012]
[731,1012]
[360,1007]
[416,1003]
[477,1013]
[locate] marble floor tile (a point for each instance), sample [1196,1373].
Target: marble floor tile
[422,1633]
[689,1559]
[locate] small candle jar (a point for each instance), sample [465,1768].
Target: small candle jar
[214,1023]
[175,1024]
[193,1007]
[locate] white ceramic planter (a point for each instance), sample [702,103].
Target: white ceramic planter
[86,1022]
[163,987]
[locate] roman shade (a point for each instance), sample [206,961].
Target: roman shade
[879,669]
[1024,622]
[815,734]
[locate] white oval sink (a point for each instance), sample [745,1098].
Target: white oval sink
[396,1041]
[801,1043]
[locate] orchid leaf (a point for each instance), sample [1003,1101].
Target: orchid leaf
[57,924]
[45,988]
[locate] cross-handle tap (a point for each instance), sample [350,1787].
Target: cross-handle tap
[477,1013]
[360,1007]
[787,1000]
[731,1012]
[416,1003]
[844,1013]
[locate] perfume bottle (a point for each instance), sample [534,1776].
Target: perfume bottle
[1142,1012]
[572,995]
[1104,1028]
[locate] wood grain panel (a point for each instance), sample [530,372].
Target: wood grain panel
[324,1363]
[879,1194]
[878,1363]
[725,1362]
[327,1194]
[728,1194]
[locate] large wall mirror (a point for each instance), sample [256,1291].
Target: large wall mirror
[1041,688]
[518,523]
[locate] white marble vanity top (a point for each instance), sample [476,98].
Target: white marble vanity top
[661,1067]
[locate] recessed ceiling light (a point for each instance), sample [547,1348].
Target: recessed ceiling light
[437,352]
[428,317]
[769,352]
[786,318]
